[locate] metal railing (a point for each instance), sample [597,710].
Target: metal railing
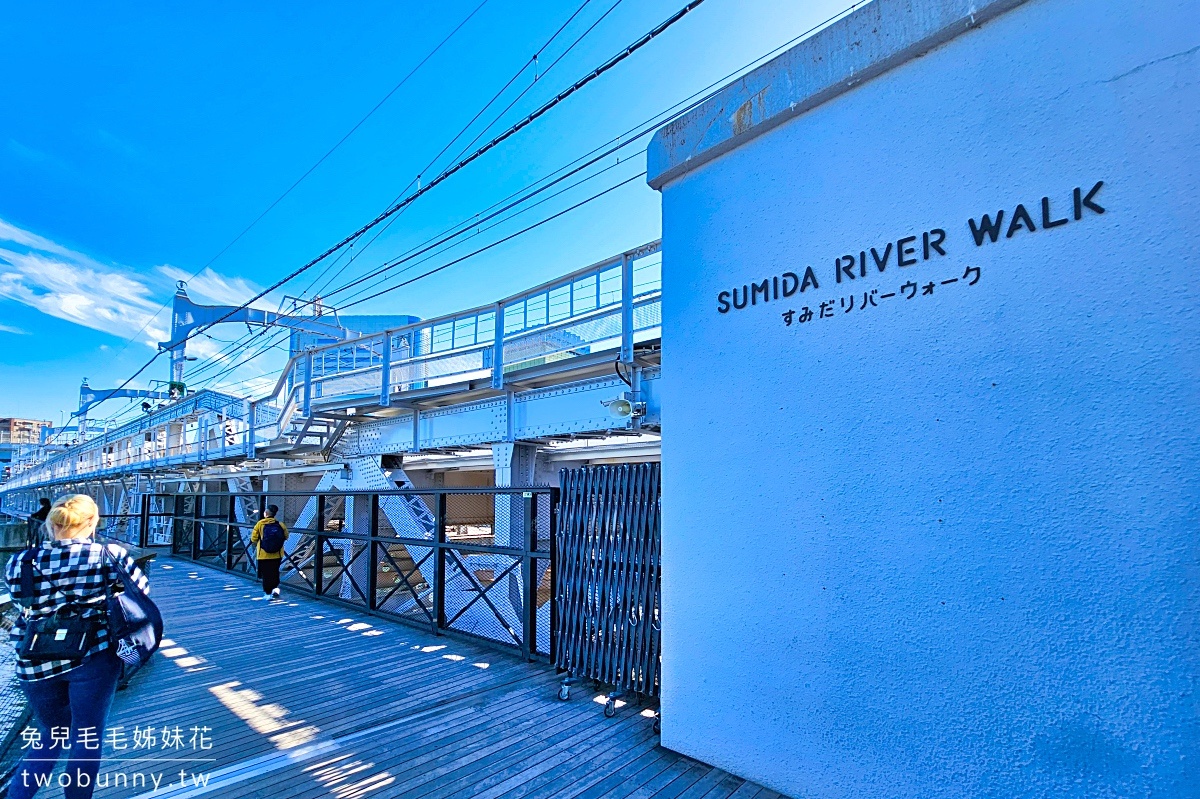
[609,306]
[473,562]
[178,434]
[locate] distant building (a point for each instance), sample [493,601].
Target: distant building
[15,433]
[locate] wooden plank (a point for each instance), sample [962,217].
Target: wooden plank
[749,790]
[687,779]
[703,785]
[416,750]
[725,788]
[392,716]
[582,769]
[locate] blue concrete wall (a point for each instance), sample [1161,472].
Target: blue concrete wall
[946,546]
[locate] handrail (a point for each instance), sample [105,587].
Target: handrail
[639,252]
[425,356]
[558,324]
[283,376]
[593,289]
[68,460]
[517,544]
[366,492]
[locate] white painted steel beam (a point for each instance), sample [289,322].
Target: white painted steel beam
[566,411]
[537,366]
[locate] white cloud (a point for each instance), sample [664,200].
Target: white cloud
[16,331]
[15,235]
[211,288]
[65,284]
[132,304]
[83,292]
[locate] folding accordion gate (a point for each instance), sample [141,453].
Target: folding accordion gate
[607,580]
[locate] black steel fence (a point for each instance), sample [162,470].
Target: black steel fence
[148,524]
[475,562]
[608,578]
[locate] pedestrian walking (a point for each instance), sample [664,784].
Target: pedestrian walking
[37,520]
[269,534]
[64,580]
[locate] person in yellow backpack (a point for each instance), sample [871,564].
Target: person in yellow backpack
[269,534]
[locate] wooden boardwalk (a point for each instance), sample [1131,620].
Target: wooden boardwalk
[302,698]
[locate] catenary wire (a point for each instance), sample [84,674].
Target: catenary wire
[449,172]
[750,65]
[462,132]
[434,255]
[311,169]
[498,242]
[647,127]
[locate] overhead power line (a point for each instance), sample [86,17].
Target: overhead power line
[312,168]
[349,133]
[354,298]
[218,360]
[528,88]
[636,133]
[498,242]
[444,175]
[533,61]
[608,65]
[475,228]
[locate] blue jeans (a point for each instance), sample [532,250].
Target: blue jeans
[78,699]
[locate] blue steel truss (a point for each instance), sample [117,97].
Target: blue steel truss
[540,364]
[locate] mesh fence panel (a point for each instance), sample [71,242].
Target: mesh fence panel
[242,553]
[408,516]
[404,581]
[436,369]
[345,570]
[161,510]
[541,521]
[647,317]
[483,595]
[124,527]
[542,601]
[471,519]
[602,331]
[370,553]
[340,385]
[299,563]
[181,538]
[211,546]
[292,510]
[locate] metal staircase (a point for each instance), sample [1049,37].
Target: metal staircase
[298,434]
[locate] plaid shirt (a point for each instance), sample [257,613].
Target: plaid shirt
[67,572]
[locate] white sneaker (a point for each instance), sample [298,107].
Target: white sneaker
[267,597]
[275,593]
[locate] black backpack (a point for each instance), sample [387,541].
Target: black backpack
[272,537]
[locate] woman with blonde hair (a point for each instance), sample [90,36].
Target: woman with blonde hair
[68,570]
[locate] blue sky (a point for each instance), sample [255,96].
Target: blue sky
[137,140]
